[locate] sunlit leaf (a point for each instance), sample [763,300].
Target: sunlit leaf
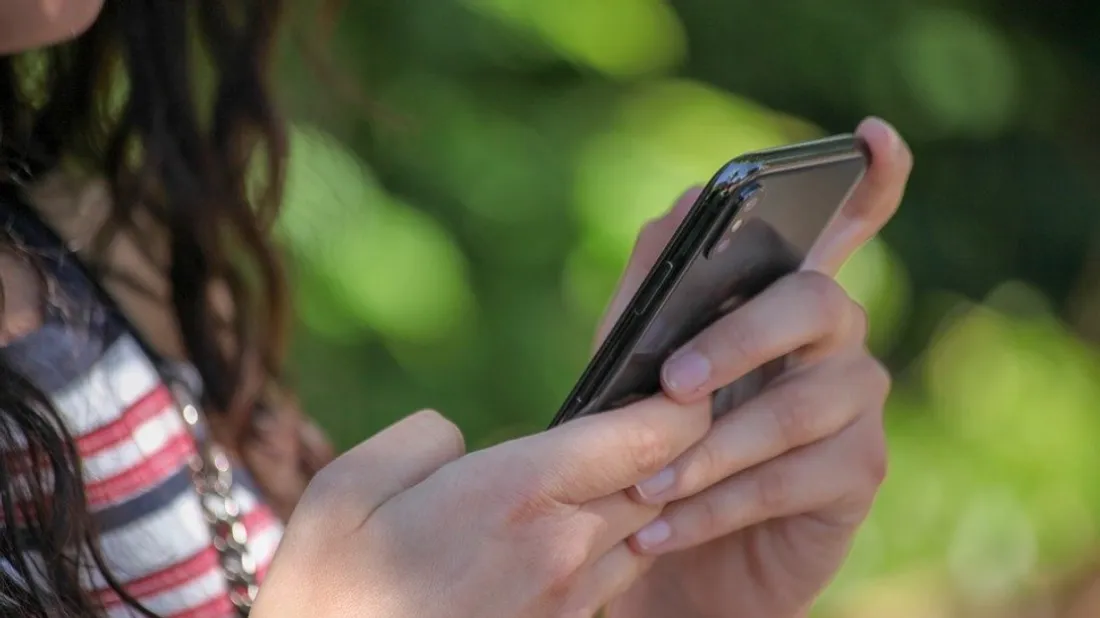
[667,137]
[622,38]
[993,547]
[960,69]
[404,276]
[392,267]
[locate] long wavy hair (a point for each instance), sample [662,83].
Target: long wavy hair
[168,100]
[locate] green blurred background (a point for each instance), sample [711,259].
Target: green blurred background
[457,233]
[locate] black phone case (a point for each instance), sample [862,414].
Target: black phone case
[795,191]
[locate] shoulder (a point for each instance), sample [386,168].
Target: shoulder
[131,258]
[23,292]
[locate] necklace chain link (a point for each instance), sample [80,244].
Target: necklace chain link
[212,476]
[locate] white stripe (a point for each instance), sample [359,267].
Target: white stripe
[121,377]
[265,542]
[171,534]
[212,584]
[263,545]
[245,498]
[145,441]
[174,600]
[152,543]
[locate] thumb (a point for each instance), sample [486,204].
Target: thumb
[394,460]
[875,199]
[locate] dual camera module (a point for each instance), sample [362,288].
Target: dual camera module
[749,200]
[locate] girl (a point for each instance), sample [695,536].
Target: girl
[150,455]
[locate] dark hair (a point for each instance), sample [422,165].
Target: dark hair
[121,102]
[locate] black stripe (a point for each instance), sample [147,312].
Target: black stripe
[128,512]
[149,502]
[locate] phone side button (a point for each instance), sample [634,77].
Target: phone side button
[656,284]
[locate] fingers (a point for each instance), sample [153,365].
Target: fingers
[598,455]
[806,311]
[836,480]
[615,518]
[873,202]
[393,460]
[802,408]
[651,241]
[609,578]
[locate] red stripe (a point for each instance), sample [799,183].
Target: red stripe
[256,522]
[149,405]
[144,476]
[148,473]
[177,574]
[218,607]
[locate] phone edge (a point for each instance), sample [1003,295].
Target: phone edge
[714,203]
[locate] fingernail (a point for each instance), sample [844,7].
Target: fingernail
[891,134]
[656,485]
[686,372]
[658,531]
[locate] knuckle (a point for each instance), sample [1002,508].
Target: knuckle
[828,300]
[876,377]
[648,448]
[696,419]
[698,517]
[648,229]
[877,462]
[734,340]
[795,415]
[326,497]
[526,506]
[708,515]
[867,461]
[859,320]
[442,431]
[561,568]
[654,231]
[772,490]
[699,469]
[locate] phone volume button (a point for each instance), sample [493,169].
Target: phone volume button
[655,285]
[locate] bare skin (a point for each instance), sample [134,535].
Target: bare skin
[28,24]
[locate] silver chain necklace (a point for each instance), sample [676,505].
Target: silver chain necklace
[211,472]
[212,477]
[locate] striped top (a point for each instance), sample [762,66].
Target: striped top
[134,447]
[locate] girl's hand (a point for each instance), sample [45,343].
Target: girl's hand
[406,526]
[763,509]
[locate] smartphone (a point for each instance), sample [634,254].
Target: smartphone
[754,223]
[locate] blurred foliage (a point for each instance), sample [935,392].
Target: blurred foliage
[457,236]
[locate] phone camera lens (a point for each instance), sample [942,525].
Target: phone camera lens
[751,197]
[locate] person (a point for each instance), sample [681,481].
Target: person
[153,460]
